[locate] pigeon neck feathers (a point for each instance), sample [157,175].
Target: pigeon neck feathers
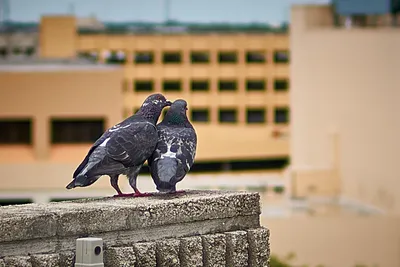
[174,118]
[150,112]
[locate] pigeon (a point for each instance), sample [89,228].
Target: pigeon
[176,148]
[123,148]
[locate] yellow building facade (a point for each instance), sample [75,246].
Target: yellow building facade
[237,85]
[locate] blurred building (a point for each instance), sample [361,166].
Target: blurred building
[237,86]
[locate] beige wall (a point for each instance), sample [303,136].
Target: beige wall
[345,83]
[337,241]
[40,95]
[57,38]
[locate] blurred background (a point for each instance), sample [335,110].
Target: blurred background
[295,99]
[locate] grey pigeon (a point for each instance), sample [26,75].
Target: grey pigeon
[123,148]
[176,148]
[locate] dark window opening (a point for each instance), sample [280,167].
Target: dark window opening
[144,57]
[228,115]
[255,116]
[199,57]
[227,85]
[143,86]
[200,115]
[240,165]
[281,56]
[30,50]
[17,50]
[3,51]
[200,85]
[68,131]
[172,57]
[15,131]
[281,115]
[281,85]
[89,55]
[255,85]
[255,57]
[227,57]
[172,86]
[115,57]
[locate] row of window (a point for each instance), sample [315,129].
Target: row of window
[196,57]
[230,115]
[67,131]
[204,85]
[27,51]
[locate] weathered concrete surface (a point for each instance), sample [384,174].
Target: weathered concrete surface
[259,249]
[168,253]
[191,252]
[145,254]
[237,253]
[133,220]
[198,228]
[214,250]
[122,257]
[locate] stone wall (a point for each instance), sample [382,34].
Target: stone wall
[196,228]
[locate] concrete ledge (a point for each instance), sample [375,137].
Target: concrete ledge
[198,228]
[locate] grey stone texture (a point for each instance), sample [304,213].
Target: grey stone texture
[214,250]
[20,261]
[259,249]
[45,260]
[145,254]
[168,253]
[120,256]
[198,228]
[237,252]
[191,252]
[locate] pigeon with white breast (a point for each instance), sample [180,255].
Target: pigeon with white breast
[176,148]
[123,148]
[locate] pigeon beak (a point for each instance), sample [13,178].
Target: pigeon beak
[168,103]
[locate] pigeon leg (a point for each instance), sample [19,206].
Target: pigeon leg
[132,176]
[114,184]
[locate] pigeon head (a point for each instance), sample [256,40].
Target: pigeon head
[152,107]
[177,113]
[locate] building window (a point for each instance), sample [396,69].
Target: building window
[90,55]
[255,57]
[200,115]
[172,86]
[172,57]
[17,50]
[255,85]
[199,57]
[227,85]
[144,86]
[30,50]
[281,56]
[15,131]
[227,57]
[228,115]
[281,115]
[200,85]
[69,131]
[281,84]
[3,51]
[255,115]
[143,57]
[115,57]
